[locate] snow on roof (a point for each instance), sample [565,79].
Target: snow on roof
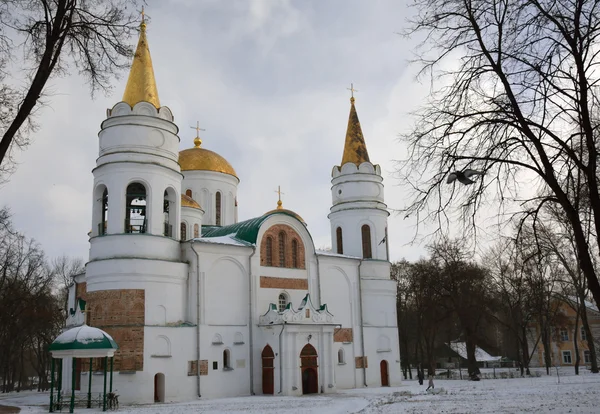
[480,355]
[332,254]
[228,239]
[83,337]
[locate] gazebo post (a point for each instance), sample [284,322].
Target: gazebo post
[104,396]
[51,384]
[72,406]
[112,358]
[89,404]
[59,387]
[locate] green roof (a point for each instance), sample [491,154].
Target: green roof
[83,338]
[246,231]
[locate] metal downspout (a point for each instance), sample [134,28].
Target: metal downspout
[198,315]
[362,330]
[251,321]
[280,359]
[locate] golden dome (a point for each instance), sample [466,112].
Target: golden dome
[197,158]
[187,201]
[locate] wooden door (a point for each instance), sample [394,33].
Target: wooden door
[309,365]
[385,381]
[268,381]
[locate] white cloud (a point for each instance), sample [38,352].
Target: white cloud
[267,79]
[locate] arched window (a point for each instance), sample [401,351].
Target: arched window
[102,227]
[135,208]
[169,212]
[183,231]
[341,358]
[295,254]
[188,193]
[196,231]
[269,249]
[366,241]
[218,208]
[226,360]
[282,301]
[339,240]
[281,249]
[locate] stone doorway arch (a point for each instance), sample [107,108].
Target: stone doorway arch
[268,381]
[309,366]
[385,375]
[159,387]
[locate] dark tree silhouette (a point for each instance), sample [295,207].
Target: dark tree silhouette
[518,100]
[47,38]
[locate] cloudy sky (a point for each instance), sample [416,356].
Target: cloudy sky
[268,81]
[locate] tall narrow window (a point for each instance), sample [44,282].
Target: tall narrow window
[103,225]
[168,214]
[269,249]
[196,231]
[339,241]
[188,193]
[226,360]
[183,231]
[281,249]
[295,254]
[135,208]
[218,208]
[366,241]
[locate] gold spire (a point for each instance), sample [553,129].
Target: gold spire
[355,149]
[197,140]
[279,193]
[141,85]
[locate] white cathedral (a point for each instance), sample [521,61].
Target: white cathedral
[203,305]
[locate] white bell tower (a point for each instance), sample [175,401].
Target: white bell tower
[358,215]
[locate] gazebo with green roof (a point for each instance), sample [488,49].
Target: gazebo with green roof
[81,342]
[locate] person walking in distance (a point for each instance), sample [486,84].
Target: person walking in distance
[420,374]
[430,383]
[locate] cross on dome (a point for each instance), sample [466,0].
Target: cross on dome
[279,193]
[197,140]
[352,90]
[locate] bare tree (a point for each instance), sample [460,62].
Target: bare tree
[518,101]
[65,268]
[50,36]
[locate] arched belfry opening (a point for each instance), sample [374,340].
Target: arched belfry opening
[366,241]
[101,210]
[135,209]
[309,366]
[169,210]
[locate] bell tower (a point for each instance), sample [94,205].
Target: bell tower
[358,214]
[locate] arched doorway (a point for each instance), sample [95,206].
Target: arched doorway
[385,377]
[159,387]
[310,377]
[268,357]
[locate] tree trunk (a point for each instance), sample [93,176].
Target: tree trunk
[588,336]
[524,351]
[471,360]
[546,344]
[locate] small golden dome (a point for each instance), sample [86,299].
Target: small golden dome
[197,158]
[187,201]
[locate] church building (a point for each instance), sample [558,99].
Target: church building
[203,305]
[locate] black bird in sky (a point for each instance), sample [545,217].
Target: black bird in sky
[463,176]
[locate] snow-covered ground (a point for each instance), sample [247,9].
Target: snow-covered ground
[574,394]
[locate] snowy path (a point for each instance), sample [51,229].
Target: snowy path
[574,394]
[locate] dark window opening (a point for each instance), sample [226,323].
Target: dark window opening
[366,241]
[339,241]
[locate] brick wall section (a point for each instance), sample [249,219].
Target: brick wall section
[121,313]
[290,234]
[283,283]
[342,335]
[204,367]
[361,362]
